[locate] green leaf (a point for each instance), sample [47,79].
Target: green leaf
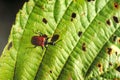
[88,47]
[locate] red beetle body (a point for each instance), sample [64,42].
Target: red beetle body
[43,40]
[38,40]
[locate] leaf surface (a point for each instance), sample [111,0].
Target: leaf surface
[88,46]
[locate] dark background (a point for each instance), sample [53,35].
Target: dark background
[8,11]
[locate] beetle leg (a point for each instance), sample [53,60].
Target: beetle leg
[42,48]
[38,32]
[51,43]
[44,35]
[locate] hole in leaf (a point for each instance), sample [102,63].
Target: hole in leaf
[9,46]
[79,33]
[116,53]
[118,68]
[50,71]
[84,47]
[114,38]
[44,20]
[73,15]
[108,22]
[115,19]
[55,37]
[90,0]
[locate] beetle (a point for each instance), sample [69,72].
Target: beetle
[42,40]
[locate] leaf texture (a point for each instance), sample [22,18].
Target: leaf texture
[88,47]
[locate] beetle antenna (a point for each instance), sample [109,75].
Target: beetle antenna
[38,32]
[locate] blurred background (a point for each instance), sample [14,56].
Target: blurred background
[8,11]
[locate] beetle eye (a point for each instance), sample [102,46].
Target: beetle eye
[55,37]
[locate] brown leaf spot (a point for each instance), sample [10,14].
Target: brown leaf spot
[108,22]
[84,47]
[79,33]
[44,20]
[116,5]
[99,65]
[118,40]
[110,63]
[109,51]
[115,19]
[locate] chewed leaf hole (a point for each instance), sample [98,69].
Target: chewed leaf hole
[108,22]
[114,38]
[110,64]
[90,0]
[50,71]
[79,33]
[116,53]
[44,20]
[55,37]
[115,19]
[118,68]
[118,40]
[73,15]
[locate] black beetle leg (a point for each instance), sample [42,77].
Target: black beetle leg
[51,43]
[38,32]
[42,48]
